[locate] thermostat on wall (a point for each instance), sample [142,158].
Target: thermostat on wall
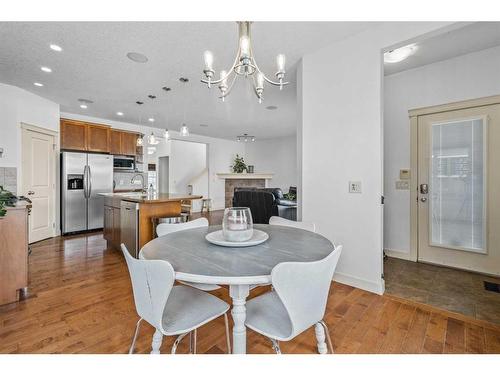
[404,174]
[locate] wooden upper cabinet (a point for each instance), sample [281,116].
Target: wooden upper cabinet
[73,135]
[129,142]
[98,138]
[84,136]
[115,142]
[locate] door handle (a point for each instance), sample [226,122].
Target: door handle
[423,199]
[90,181]
[424,188]
[31,192]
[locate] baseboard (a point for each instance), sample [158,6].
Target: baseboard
[398,254]
[359,283]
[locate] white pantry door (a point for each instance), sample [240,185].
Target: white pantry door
[38,173]
[459,188]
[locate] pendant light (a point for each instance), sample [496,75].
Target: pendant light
[184,130]
[166,135]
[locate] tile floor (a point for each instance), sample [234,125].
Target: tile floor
[453,290]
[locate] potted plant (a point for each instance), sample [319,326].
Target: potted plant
[7,199]
[239,165]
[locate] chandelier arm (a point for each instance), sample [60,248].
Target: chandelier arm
[265,77]
[229,72]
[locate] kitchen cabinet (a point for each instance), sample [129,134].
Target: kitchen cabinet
[13,252]
[112,222]
[128,143]
[98,138]
[115,142]
[73,135]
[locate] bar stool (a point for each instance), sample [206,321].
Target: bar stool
[206,203]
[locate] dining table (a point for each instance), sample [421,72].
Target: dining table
[195,260]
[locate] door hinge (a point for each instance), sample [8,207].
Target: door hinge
[382,199]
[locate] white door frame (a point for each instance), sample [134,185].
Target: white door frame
[414,114]
[55,191]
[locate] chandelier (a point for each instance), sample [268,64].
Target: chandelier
[244,65]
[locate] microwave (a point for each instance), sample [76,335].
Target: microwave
[124,163]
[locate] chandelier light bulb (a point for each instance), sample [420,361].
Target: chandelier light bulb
[209,60]
[260,80]
[245,46]
[184,130]
[280,61]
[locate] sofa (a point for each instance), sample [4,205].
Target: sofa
[264,203]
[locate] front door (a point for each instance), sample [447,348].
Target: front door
[38,174]
[459,188]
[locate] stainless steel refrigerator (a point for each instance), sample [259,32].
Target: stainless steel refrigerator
[83,177]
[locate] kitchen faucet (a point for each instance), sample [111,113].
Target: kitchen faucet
[144,190]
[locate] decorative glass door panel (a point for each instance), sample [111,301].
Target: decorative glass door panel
[457,189]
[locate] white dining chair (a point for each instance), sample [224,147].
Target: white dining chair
[297,301]
[172,310]
[165,228]
[276,220]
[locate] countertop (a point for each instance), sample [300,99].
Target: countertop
[151,198]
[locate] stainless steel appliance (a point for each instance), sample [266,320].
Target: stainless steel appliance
[83,177]
[129,226]
[123,163]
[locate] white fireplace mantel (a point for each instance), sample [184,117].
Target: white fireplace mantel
[245,176]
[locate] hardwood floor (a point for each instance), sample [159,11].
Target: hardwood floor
[80,301]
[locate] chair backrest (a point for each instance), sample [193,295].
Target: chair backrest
[276,220]
[303,289]
[152,281]
[262,203]
[164,228]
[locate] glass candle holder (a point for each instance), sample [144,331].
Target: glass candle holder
[237,224]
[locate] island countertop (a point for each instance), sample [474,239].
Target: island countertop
[151,198]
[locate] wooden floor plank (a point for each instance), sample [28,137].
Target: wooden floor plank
[80,301]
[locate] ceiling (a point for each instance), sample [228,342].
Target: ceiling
[468,39]
[93,65]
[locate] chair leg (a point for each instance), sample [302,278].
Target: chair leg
[156,343]
[177,341]
[194,341]
[191,342]
[276,346]
[228,341]
[137,326]
[329,339]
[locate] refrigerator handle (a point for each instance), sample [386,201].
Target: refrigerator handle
[90,181]
[85,182]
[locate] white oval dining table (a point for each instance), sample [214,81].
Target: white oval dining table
[196,260]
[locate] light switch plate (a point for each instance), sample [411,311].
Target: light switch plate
[354,186]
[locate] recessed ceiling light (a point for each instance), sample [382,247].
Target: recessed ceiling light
[152,96]
[399,54]
[46,69]
[139,102]
[137,57]
[119,113]
[84,106]
[55,47]
[38,84]
[151,119]
[184,79]
[271,107]
[204,125]
[166,88]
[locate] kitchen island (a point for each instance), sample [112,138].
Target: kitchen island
[128,217]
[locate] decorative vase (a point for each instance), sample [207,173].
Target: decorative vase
[237,224]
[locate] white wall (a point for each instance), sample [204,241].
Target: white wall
[221,152]
[20,106]
[340,130]
[464,77]
[278,156]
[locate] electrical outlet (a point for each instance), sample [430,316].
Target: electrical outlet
[354,186]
